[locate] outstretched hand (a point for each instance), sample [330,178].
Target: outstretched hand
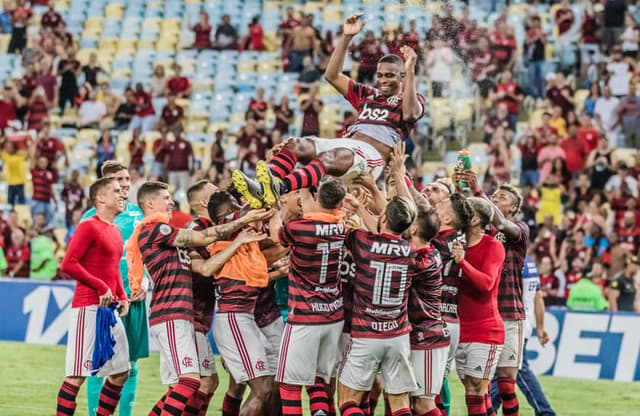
[352,26]
[397,159]
[258,215]
[410,58]
[249,236]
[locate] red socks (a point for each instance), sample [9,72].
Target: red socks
[283,163]
[109,398]
[306,177]
[67,399]
[475,405]
[205,404]
[157,409]
[365,405]
[177,400]
[318,397]
[291,397]
[194,404]
[489,405]
[440,406]
[507,389]
[231,406]
[351,409]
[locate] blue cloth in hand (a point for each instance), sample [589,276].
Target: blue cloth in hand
[103,346]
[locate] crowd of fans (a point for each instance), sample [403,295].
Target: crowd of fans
[557,109]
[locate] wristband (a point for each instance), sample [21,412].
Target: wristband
[478,191]
[407,181]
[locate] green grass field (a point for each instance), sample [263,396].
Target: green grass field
[31,376]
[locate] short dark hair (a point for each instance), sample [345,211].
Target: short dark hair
[331,194]
[98,186]
[401,213]
[481,209]
[216,201]
[515,193]
[196,187]
[110,167]
[148,190]
[391,58]
[462,211]
[428,223]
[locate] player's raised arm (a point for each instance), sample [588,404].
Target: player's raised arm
[397,170]
[352,26]
[213,264]
[192,238]
[412,108]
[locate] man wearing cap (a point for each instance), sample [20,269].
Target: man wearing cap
[623,293]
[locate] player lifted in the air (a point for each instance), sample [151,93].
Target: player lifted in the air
[386,116]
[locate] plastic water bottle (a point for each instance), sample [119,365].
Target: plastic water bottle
[464,162]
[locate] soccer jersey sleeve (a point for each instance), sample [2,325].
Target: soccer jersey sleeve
[164,234]
[349,240]
[285,236]
[81,241]
[357,92]
[484,276]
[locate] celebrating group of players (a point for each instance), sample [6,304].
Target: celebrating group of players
[385,289]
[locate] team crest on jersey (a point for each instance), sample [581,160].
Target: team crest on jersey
[394,100]
[501,237]
[165,229]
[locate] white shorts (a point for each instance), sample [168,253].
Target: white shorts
[511,355]
[206,359]
[307,352]
[273,337]
[389,356]
[366,159]
[477,360]
[454,336]
[81,340]
[429,367]
[241,345]
[176,340]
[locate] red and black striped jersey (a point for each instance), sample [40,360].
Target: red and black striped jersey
[267,310]
[314,270]
[384,264]
[374,108]
[170,271]
[235,296]
[43,180]
[510,302]
[451,274]
[347,274]
[204,288]
[428,329]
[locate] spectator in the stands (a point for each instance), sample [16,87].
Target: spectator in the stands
[301,43]
[68,69]
[564,19]
[19,20]
[18,255]
[38,109]
[52,148]
[8,105]
[255,38]
[509,92]
[619,73]
[48,80]
[136,150]
[547,155]
[286,27]
[309,76]
[258,106]
[438,62]
[589,46]
[50,18]
[503,46]
[559,93]
[601,163]
[202,31]
[629,111]
[253,139]
[606,115]
[13,161]
[110,99]
[159,149]
[171,116]
[71,229]
[126,111]
[613,18]
[482,67]
[145,113]
[534,56]
[284,116]
[105,150]
[91,112]
[179,163]
[502,120]
[558,122]
[621,183]
[588,133]
[158,82]
[311,108]
[43,181]
[587,295]
[217,151]
[72,195]
[370,51]
[226,36]
[179,84]
[630,38]
[575,149]
[91,70]
[5,16]
[623,291]
[43,255]
[137,179]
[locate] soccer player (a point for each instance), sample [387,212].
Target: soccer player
[135,322]
[161,250]
[309,348]
[514,235]
[380,324]
[235,330]
[204,300]
[534,310]
[386,116]
[92,260]
[429,333]
[481,328]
